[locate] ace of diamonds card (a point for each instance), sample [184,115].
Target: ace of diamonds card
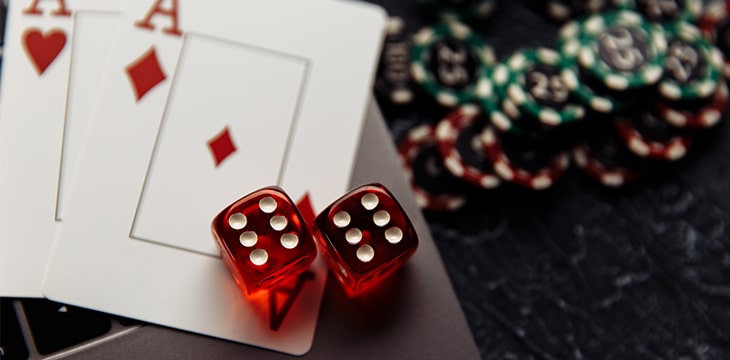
[202,102]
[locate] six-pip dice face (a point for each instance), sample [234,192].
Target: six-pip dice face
[365,236]
[263,239]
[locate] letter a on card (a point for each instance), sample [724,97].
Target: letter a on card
[43,46]
[146,72]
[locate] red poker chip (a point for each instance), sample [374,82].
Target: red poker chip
[705,117]
[610,175]
[431,184]
[539,179]
[648,137]
[460,146]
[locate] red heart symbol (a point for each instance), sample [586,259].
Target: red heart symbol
[43,48]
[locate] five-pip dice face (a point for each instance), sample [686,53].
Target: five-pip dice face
[365,236]
[263,239]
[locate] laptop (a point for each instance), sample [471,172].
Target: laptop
[427,324]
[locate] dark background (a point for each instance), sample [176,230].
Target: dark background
[580,271]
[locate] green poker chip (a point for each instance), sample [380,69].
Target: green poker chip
[569,45]
[490,91]
[536,87]
[495,79]
[693,66]
[446,61]
[502,112]
[463,10]
[622,50]
[664,11]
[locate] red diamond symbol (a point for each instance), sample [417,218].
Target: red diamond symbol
[145,73]
[305,208]
[221,146]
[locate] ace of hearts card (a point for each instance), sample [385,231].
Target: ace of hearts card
[51,69]
[202,102]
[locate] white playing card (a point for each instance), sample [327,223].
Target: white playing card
[184,156]
[36,124]
[199,107]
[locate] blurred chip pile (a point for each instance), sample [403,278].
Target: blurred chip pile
[629,86]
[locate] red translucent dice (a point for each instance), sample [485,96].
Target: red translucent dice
[263,239]
[365,236]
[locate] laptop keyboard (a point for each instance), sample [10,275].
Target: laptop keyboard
[12,345]
[37,328]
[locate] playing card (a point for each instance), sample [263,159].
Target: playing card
[48,61]
[201,103]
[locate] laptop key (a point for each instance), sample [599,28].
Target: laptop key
[56,326]
[12,345]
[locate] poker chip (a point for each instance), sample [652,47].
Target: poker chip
[393,78]
[536,87]
[463,10]
[562,10]
[714,11]
[647,136]
[521,163]
[703,116]
[715,25]
[664,11]
[446,60]
[622,50]
[599,102]
[585,90]
[491,91]
[529,127]
[604,158]
[692,69]
[458,139]
[432,185]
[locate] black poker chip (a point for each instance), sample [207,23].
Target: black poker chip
[393,83]
[434,187]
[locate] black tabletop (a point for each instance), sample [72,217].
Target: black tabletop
[581,271]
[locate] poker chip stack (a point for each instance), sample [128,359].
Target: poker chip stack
[692,93]
[446,62]
[393,84]
[655,82]
[612,60]
[529,108]
[630,86]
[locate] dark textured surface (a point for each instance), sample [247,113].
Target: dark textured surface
[582,272]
